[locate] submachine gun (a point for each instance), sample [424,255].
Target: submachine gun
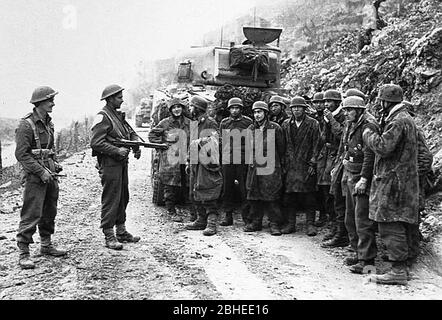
[137,144]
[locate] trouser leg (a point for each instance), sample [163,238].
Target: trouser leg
[170,197]
[350,221]
[229,176]
[413,239]
[394,235]
[111,197]
[366,228]
[46,225]
[33,203]
[124,199]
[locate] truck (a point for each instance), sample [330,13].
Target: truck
[250,71]
[143,111]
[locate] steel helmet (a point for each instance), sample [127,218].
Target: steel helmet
[332,94]
[42,93]
[354,93]
[175,101]
[318,97]
[199,102]
[391,93]
[298,101]
[277,99]
[353,102]
[234,102]
[110,91]
[260,105]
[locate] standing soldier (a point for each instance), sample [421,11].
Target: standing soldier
[301,135]
[205,171]
[334,117]
[174,130]
[109,125]
[35,152]
[394,197]
[264,184]
[277,107]
[325,199]
[234,126]
[358,170]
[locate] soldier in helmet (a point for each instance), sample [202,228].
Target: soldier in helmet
[277,107]
[325,199]
[35,152]
[394,195]
[233,159]
[264,177]
[301,135]
[174,130]
[358,161]
[334,118]
[108,126]
[203,165]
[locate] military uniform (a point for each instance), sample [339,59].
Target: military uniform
[234,170]
[176,132]
[108,126]
[301,154]
[394,197]
[358,161]
[35,152]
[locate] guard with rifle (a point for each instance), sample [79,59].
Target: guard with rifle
[108,129]
[35,152]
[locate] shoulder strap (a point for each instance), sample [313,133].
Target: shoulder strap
[34,129]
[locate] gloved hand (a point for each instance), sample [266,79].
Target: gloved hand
[137,154]
[123,152]
[46,177]
[361,186]
[328,114]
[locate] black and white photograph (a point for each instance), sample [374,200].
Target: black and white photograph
[221,158]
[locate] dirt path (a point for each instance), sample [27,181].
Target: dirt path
[173,263]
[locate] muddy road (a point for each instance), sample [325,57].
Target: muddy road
[172,263]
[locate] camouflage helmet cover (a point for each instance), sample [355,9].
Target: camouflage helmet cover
[318,97]
[277,99]
[391,93]
[355,93]
[332,94]
[353,102]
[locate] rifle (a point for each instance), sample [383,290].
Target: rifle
[136,144]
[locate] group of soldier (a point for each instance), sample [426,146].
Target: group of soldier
[359,172]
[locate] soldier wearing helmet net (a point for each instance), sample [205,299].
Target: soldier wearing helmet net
[36,153]
[394,195]
[112,163]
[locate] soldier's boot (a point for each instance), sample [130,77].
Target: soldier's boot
[200,223]
[397,275]
[227,220]
[311,229]
[363,267]
[110,239]
[245,213]
[193,214]
[322,219]
[331,232]
[274,229]
[212,221]
[47,248]
[339,240]
[255,225]
[290,227]
[351,260]
[124,236]
[24,259]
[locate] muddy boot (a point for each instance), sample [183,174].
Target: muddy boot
[24,259]
[311,230]
[110,240]
[48,249]
[274,229]
[212,221]
[397,275]
[200,222]
[245,213]
[193,214]
[363,267]
[177,217]
[331,232]
[351,260]
[339,240]
[291,225]
[227,220]
[124,236]
[255,225]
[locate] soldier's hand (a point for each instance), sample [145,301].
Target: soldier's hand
[361,186]
[137,154]
[123,152]
[311,170]
[328,114]
[46,177]
[58,167]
